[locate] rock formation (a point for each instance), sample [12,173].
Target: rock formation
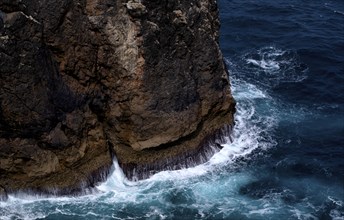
[84,80]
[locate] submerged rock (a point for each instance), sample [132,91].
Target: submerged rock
[82,81]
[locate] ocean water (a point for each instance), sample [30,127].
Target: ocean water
[286,161]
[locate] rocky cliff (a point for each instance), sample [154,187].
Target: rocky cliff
[84,80]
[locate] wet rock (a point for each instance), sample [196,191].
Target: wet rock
[81,81]
[3,194]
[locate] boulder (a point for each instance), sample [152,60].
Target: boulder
[83,81]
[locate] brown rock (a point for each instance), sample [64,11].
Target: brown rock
[83,80]
[181,94]
[136,8]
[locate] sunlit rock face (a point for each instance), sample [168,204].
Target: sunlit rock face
[82,81]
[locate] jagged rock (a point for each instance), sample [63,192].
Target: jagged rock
[83,80]
[136,8]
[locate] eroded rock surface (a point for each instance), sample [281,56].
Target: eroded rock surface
[83,80]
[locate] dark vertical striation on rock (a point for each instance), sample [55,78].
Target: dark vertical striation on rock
[165,157]
[3,194]
[81,81]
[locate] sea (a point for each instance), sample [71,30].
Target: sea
[286,161]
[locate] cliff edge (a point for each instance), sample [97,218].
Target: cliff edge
[84,80]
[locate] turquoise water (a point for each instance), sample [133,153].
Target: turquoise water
[286,62]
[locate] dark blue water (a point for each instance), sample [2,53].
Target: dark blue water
[294,51]
[286,62]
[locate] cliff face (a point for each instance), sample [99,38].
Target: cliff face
[83,80]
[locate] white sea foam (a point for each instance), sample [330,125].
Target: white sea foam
[268,58]
[336,215]
[265,64]
[263,211]
[117,180]
[299,214]
[336,201]
[269,66]
[246,90]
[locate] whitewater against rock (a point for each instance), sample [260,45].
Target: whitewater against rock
[282,159]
